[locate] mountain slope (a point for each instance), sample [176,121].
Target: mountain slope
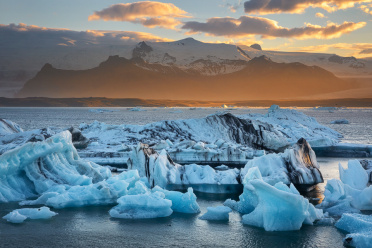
[118,77]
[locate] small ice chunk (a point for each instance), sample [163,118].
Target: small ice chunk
[146,206]
[355,176]
[20,215]
[216,213]
[360,228]
[181,202]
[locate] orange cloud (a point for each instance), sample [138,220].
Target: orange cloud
[320,15]
[366,8]
[148,13]
[297,6]
[247,26]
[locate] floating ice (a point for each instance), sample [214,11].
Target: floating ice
[345,150]
[297,165]
[181,202]
[145,206]
[20,215]
[34,168]
[349,195]
[274,208]
[216,213]
[360,228]
[102,110]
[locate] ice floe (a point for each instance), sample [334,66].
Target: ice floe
[274,208]
[20,215]
[9,127]
[359,228]
[216,213]
[341,121]
[350,194]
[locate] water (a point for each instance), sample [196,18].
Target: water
[93,227]
[358,131]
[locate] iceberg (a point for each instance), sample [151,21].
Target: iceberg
[181,202]
[144,206]
[367,165]
[9,127]
[102,110]
[216,213]
[34,168]
[297,165]
[275,208]
[359,228]
[20,215]
[350,194]
[344,150]
[295,125]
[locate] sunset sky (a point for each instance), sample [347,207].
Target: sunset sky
[331,26]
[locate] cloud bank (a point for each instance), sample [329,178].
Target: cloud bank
[247,26]
[22,35]
[148,13]
[297,6]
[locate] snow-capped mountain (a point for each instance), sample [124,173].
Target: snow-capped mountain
[193,56]
[340,66]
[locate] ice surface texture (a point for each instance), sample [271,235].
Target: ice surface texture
[350,194]
[20,215]
[9,127]
[360,229]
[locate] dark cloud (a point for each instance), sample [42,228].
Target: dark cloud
[366,51]
[247,26]
[296,6]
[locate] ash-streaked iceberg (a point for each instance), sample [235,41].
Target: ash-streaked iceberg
[9,127]
[297,165]
[359,228]
[350,194]
[20,215]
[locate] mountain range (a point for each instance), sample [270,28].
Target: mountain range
[190,69]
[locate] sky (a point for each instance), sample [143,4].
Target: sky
[343,27]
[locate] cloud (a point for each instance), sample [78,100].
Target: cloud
[366,8]
[234,7]
[248,25]
[320,15]
[345,49]
[148,13]
[297,6]
[30,35]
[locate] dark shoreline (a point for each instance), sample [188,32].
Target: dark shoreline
[133,102]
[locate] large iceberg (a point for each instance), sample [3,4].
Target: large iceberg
[274,208]
[20,215]
[297,165]
[34,168]
[359,228]
[350,194]
[295,125]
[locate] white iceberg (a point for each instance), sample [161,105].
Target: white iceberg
[143,206]
[274,208]
[20,215]
[216,213]
[102,110]
[350,194]
[359,228]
